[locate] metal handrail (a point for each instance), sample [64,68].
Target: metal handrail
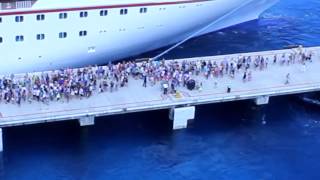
[16,4]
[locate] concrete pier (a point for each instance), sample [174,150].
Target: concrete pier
[180,116]
[134,98]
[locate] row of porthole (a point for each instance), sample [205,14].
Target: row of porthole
[82,14]
[20,38]
[91,49]
[20,58]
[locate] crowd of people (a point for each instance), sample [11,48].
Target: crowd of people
[67,84]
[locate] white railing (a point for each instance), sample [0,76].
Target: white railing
[9,5]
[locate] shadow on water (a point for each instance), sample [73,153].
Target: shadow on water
[226,140]
[213,117]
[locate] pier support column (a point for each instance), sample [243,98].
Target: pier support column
[86,121]
[180,116]
[262,100]
[1,141]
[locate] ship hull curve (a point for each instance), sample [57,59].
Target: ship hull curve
[113,39]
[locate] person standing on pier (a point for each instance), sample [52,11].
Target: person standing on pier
[275,59]
[287,79]
[165,88]
[304,67]
[144,80]
[244,78]
[249,75]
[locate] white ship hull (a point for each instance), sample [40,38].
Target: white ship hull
[115,36]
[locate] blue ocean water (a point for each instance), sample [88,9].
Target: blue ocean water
[289,22]
[225,141]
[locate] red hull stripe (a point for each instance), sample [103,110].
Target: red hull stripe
[99,7]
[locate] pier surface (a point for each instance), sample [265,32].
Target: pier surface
[135,98]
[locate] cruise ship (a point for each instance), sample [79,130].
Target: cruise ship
[37,35]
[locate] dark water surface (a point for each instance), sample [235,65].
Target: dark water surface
[226,141]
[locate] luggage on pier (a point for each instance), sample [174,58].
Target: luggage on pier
[228,89]
[191,84]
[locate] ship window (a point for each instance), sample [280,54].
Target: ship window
[19,18]
[62,35]
[123,11]
[19,38]
[63,15]
[1,40]
[40,17]
[143,10]
[103,12]
[83,14]
[82,33]
[40,36]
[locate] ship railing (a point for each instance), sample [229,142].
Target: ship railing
[11,5]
